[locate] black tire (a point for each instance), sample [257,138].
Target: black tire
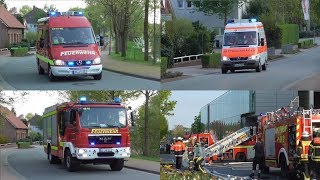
[224,71]
[97,77]
[284,167]
[241,157]
[266,170]
[50,75]
[40,69]
[232,70]
[259,68]
[70,162]
[52,159]
[264,66]
[117,164]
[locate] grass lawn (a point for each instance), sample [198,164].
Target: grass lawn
[133,55]
[145,158]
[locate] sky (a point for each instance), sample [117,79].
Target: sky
[188,106]
[62,5]
[37,101]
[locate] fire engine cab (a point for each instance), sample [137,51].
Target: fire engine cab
[66,46]
[84,132]
[244,46]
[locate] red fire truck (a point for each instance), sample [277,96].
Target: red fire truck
[286,138]
[66,46]
[87,132]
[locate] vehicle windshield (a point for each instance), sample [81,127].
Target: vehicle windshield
[69,36]
[240,38]
[103,117]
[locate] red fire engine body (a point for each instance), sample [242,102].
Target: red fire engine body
[282,137]
[87,133]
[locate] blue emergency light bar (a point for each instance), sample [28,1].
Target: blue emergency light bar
[230,21]
[83,99]
[69,13]
[250,20]
[117,100]
[253,20]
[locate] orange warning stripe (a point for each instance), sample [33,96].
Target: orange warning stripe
[245,27]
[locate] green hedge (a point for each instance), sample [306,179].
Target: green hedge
[211,60]
[306,43]
[24,144]
[289,34]
[164,65]
[3,139]
[19,51]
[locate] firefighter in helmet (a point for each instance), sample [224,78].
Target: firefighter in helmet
[302,153]
[179,149]
[314,155]
[198,156]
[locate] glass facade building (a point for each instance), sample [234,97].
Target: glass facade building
[223,115]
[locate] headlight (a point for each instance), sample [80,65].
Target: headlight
[81,151]
[224,58]
[253,57]
[97,61]
[59,62]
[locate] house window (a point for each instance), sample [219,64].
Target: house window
[189,4]
[180,4]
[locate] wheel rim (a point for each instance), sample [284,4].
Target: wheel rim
[50,156]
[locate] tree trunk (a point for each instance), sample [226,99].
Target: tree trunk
[145,32]
[146,125]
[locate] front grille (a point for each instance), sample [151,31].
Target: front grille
[105,139]
[239,59]
[105,154]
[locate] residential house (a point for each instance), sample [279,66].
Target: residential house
[33,126]
[11,126]
[32,18]
[184,9]
[11,30]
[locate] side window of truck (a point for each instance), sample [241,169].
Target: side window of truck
[73,117]
[64,121]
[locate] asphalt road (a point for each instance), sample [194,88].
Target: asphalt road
[281,74]
[33,164]
[223,169]
[21,73]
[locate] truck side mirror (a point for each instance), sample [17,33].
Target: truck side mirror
[262,41]
[101,42]
[132,118]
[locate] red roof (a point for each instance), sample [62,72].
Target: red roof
[16,122]
[9,20]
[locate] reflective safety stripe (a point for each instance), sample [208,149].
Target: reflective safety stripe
[42,58]
[243,147]
[61,143]
[54,147]
[49,114]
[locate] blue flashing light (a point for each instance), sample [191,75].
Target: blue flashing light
[83,99]
[253,20]
[92,143]
[88,62]
[230,21]
[54,13]
[117,100]
[70,63]
[78,13]
[118,143]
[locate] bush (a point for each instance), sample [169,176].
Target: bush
[21,51]
[27,139]
[306,34]
[306,43]
[273,32]
[3,139]
[164,65]
[289,34]
[23,43]
[211,60]
[24,144]
[31,38]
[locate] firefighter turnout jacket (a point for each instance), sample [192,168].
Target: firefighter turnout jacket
[178,148]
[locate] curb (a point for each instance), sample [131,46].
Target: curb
[145,170]
[134,75]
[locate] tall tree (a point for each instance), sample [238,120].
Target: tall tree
[147,94]
[25,9]
[13,10]
[223,8]
[178,131]
[13,111]
[197,126]
[50,8]
[2,2]
[146,31]
[29,116]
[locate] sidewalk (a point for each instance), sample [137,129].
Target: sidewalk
[143,165]
[129,68]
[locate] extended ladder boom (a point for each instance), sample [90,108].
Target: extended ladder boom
[228,142]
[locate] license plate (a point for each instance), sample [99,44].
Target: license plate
[238,65]
[79,71]
[105,150]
